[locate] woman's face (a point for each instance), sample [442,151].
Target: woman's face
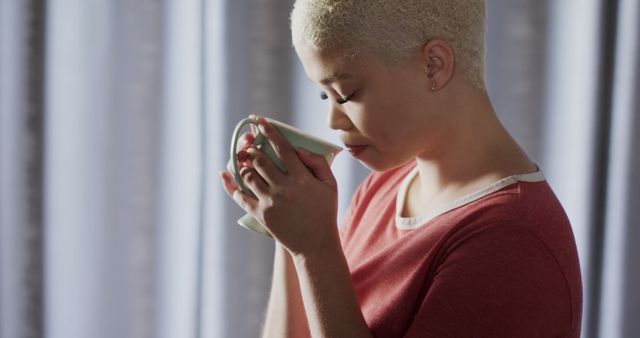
[385,114]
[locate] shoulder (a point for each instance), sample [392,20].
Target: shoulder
[523,216]
[497,273]
[518,244]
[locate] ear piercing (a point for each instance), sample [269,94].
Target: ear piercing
[434,83]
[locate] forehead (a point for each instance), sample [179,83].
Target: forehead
[326,67]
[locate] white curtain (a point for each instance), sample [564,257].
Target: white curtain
[101,167]
[21,169]
[115,117]
[123,168]
[571,138]
[620,295]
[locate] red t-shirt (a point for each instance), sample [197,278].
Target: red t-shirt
[501,262]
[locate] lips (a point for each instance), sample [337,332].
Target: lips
[355,149]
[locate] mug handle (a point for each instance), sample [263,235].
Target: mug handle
[258,139]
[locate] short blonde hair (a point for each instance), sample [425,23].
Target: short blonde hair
[394,29]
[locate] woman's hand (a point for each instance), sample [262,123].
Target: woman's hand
[298,208]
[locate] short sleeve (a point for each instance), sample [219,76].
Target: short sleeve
[497,281]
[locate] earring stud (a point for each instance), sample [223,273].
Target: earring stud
[434,85]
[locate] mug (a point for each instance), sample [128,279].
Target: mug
[296,137]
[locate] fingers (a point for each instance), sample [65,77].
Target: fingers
[254,129]
[264,166]
[244,142]
[228,183]
[318,165]
[280,145]
[252,177]
[245,201]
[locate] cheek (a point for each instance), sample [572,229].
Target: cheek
[371,120]
[388,115]
[382,120]
[397,120]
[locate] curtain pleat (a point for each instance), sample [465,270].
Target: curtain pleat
[516,41]
[620,295]
[256,79]
[181,177]
[213,310]
[22,127]
[104,106]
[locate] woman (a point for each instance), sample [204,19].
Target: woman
[455,233]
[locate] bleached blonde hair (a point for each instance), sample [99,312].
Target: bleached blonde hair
[394,29]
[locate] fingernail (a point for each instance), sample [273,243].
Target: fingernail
[243,171]
[243,156]
[251,152]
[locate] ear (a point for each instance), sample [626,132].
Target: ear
[437,56]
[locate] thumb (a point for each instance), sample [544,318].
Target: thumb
[317,165]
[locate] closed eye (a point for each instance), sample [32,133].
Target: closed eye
[340,100]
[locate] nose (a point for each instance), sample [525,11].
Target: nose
[337,119]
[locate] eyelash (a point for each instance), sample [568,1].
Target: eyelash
[340,100]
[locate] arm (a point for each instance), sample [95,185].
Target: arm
[285,312]
[329,298]
[285,315]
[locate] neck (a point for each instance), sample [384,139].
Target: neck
[475,150]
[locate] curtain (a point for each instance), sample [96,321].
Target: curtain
[115,117]
[21,168]
[101,168]
[620,294]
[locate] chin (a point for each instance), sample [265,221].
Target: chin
[384,164]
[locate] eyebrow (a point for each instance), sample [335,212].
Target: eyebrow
[335,77]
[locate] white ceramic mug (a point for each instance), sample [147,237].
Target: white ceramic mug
[296,137]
